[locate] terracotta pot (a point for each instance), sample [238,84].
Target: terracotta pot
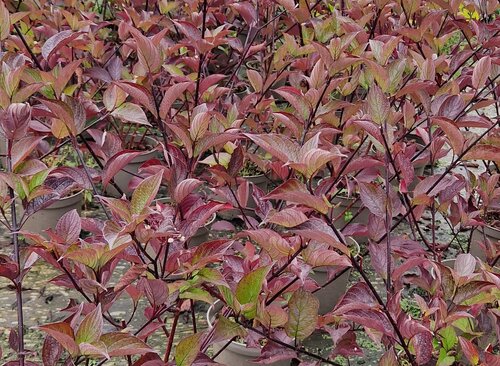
[260,181]
[236,353]
[123,177]
[48,217]
[329,295]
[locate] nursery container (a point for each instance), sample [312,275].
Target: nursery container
[481,234]
[48,217]
[236,353]
[329,295]
[342,205]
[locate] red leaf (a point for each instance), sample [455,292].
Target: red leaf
[374,198]
[170,96]
[62,333]
[455,137]
[145,193]
[371,319]
[51,351]
[422,342]
[23,148]
[469,350]
[271,242]
[358,296]
[185,188]
[117,163]
[279,146]
[481,72]
[288,217]
[483,152]
[296,192]
[14,121]
[69,226]
[140,94]
[57,41]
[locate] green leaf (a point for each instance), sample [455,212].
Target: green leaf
[90,329]
[194,293]
[448,337]
[145,193]
[303,315]
[226,329]
[378,105]
[38,179]
[187,350]
[248,290]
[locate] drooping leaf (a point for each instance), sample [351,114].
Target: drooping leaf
[422,342]
[469,350]
[303,315]
[388,359]
[374,198]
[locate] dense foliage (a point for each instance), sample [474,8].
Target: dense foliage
[271,115]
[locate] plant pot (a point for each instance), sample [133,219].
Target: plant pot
[236,353]
[482,234]
[123,177]
[48,217]
[329,295]
[260,181]
[347,204]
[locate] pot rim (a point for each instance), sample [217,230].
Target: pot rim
[209,317]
